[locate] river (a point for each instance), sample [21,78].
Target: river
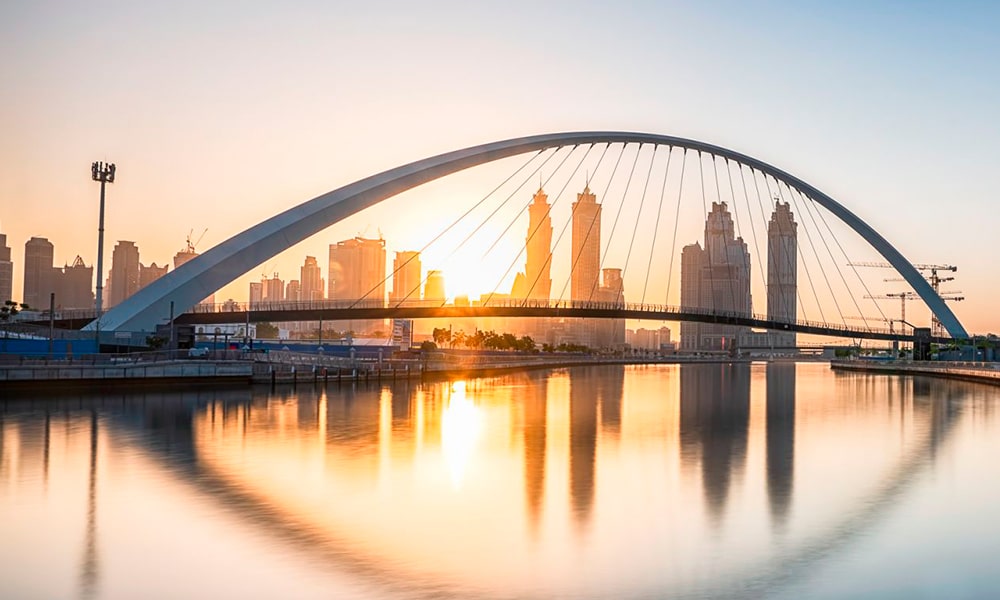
[659,481]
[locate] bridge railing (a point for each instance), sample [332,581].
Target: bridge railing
[497,303]
[513,303]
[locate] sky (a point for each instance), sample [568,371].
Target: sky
[220,115]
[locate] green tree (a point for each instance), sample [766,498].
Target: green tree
[266,331]
[428,345]
[441,336]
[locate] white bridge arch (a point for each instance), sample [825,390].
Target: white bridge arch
[199,278]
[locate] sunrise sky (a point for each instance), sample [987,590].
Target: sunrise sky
[222,114]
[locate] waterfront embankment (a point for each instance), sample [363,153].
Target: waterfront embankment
[287,368]
[968,371]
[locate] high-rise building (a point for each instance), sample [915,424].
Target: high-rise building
[310,280]
[148,275]
[782,270]
[434,290]
[536,283]
[39,275]
[75,287]
[6,271]
[183,257]
[586,258]
[357,270]
[293,291]
[610,333]
[123,280]
[692,259]
[407,273]
[721,278]
[256,293]
[274,289]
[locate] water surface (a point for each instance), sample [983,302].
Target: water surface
[694,481]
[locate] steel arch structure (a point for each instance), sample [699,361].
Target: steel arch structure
[199,278]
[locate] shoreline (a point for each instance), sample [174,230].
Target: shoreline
[988,373]
[67,376]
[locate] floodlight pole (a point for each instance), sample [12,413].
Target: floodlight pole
[105,173]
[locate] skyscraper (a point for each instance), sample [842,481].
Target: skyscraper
[274,289]
[782,270]
[434,290]
[148,275]
[586,258]
[310,280]
[124,278]
[6,271]
[692,259]
[610,333]
[256,293]
[717,279]
[537,281]
[75,286]
[293,291]
[39,275]
[406,277]
[357,270]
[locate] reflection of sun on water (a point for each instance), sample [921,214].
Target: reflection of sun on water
[461,426]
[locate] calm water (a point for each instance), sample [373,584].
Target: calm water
[700,481]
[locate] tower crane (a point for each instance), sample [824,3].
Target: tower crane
[933,278]
[903,297]
[191,245]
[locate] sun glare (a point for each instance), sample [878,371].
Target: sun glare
[461,427]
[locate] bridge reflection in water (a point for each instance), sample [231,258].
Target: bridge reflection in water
[580,482]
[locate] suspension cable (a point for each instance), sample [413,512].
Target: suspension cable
[798,247]
[638,217]
[548,258]
[677,218]
[753,230]
[590,227]
[807,201]
[453,224]
[547,212]
[468,237]
[656,227]
[614,225]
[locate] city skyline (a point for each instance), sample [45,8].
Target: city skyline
[776,116]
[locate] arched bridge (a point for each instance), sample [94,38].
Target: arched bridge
[199,278]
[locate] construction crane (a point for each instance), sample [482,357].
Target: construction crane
[934,279]
[191,245]
[902,296]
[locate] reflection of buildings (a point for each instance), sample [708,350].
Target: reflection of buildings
[590,389]
[780,438]
[583,400]
[715,278]
[535,397]
[714,423]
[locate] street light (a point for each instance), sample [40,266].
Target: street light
[105,173]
